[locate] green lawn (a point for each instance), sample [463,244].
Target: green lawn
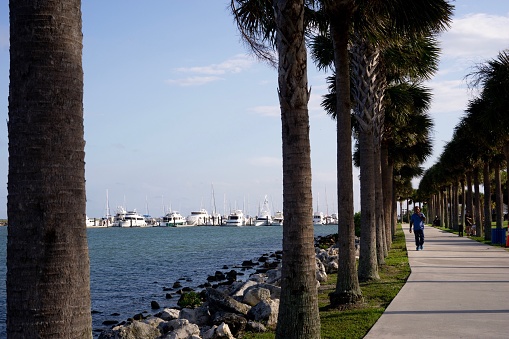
[354,321]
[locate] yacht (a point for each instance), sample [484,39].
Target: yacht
[198,218]
[277,219]
[318,218]
[264,218]
[173,219]
[235,218]
[125,218]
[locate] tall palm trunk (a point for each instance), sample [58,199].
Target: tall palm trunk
[48,278]
[347,287]
[387,189]
[487,201]
[368,265]
[379,215]
[368,93]
[298,312]
[499,204]
[477,202]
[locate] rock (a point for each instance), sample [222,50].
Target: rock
[275,291]
[220,301]
[169,314]
[110,322]
[258,277]
[242,287]
[177,284]
[199,316]
[169,296]
[255,294]
[134,330]
[181,329]
[223,331]
[321,275]
[265,310]
[154,305]
[254,326]
[235,322]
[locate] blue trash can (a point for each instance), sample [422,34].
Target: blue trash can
[498,236]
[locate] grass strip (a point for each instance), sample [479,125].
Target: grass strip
[354,321]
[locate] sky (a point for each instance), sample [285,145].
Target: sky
[179,115]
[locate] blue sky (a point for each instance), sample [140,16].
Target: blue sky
[175,105]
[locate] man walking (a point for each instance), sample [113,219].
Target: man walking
[417,221]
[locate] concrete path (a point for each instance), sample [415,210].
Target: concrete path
[458,288]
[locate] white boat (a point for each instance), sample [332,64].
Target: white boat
[173,219]
[125,218]
[318,218]
[235,218]
[331,219]
[91,222]
[198,218]
[264,217]
[277,219]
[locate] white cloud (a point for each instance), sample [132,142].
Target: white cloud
[193,81]
[449,96]
[267,111]
[234,65]
[210,73]
[475,37]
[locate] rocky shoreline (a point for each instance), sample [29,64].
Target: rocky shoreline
[225,307]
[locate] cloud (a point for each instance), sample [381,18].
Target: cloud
[211,73]
[193,81]
[449,96]
[267,111]
[475,37]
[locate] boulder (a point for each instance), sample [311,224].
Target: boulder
[235,322]
[182,329]
[256,327]
[199,316]
[241,287]
[169,314]
[255,294]
[321,275]
[134,330]
[220,301]
[266,311]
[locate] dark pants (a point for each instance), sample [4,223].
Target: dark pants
[419,237]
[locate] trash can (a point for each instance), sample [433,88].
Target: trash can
[460,230]
[498,236]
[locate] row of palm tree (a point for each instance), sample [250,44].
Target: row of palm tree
[374,89]
[379,53]
[476,152]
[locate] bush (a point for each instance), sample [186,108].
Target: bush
[190,300]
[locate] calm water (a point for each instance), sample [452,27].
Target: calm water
[130,267]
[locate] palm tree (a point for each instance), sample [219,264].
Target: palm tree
[48,278]
[298,311]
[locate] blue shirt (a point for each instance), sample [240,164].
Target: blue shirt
[417,222]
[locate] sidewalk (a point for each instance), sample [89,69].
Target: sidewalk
[458,288]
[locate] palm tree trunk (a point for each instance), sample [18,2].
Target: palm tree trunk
[387,189]
[48,277]
[477,202]
[487,201]
[347,287]
[382,251]
[499,204]
[368,266]
[298,311]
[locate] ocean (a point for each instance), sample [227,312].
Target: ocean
[130,267]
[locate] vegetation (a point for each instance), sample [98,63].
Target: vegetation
[354,321]
[189,299]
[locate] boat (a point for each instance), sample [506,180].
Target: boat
[125,218]
[264,217]
[331,219]
[173,219]
[235,218]
[91,222]
[277,219]
[198,218]
[318,218]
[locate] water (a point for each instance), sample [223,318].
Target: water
[130,267]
